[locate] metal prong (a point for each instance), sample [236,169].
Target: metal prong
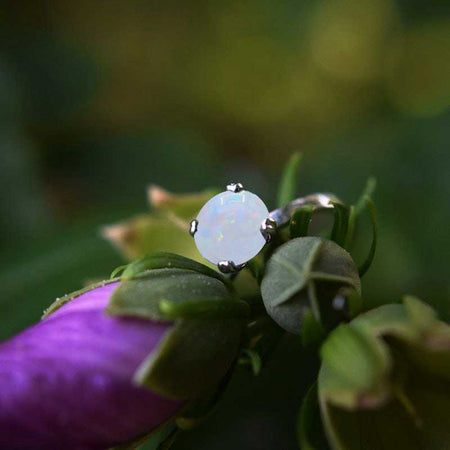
[268,227]
[235,187]
[193,227]
[230,266]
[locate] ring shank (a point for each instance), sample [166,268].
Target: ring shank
[319,201]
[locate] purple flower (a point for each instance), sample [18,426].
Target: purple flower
[66,382]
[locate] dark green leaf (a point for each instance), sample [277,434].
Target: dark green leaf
[306,274]
[256,269]
[149,441]
[299,225]
[312,331]
[341,221]
[165,260]
[356,210]
[199,408]
[253,359]
[118,270]
[368,191]
[141,296]
[204,309]
[192,358]
[289,180]
[310,433]
[373,216]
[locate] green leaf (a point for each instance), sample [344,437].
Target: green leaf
[341,222]
[204,309]
[198,409]
[368,191]
[289,180]
[356,210]
[310,433]
[192,358]
[306,274]
[252,358]
[142,295]
[385,380]
[312,331]
[182,207]
[299,225]
[149,440]
[354,368]
[118,270]
[373,216]
[256,269]
[165,260]
[148,233]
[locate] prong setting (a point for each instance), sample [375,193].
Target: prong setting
[193,227]
[229,266]
[235,187]
[268,228]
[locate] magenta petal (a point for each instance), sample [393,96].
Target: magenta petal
[67,381]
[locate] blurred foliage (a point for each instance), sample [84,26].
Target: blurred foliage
[100,99]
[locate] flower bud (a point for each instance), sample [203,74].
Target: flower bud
[68,380]
[117,360]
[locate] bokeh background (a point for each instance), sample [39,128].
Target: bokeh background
[100,99]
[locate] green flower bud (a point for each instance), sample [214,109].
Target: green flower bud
[308,274]
[385,380]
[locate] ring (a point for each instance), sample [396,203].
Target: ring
[233,226]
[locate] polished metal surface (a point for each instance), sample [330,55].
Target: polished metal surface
[319,201]
[229,266]
[235,187]
[268,227]
[193,227]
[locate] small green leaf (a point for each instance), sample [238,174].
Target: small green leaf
[368,191]
[306,274]
[289,180]
[354,368]
[350,227]
[165,260]
[256,269]
[356,210]
[198,409]
[118,270]
[341,222]
[141,296]
[299,225]
[192,358]
[148,233]
[373,216]
[182,207]
[312,331]
[310,433]
[204,309]
[252,358]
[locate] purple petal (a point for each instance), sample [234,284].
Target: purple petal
[66,382]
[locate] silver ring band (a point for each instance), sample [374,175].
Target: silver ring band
[319,201]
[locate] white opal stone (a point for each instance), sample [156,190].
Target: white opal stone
[229,227]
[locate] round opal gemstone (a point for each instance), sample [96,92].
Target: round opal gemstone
[229,227]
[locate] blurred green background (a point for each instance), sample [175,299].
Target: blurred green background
[100,99]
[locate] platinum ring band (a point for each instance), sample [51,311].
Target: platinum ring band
[319,201]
